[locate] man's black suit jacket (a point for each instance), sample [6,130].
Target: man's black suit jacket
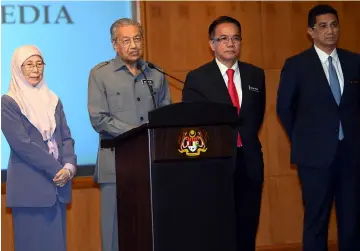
[207,84]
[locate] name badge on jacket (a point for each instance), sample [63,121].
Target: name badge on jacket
[254,89]
[150,82]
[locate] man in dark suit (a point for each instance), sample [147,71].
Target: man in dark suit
[318,104]
[227,80]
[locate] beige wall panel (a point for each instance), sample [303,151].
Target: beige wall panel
[264,237]
[286,212]
[278,145]
[276,30]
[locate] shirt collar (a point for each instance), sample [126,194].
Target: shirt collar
[120,64]
[324,56]
[224,68]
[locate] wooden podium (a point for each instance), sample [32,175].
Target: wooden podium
[174,180]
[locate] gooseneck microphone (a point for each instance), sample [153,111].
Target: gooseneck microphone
[148,85]
[151,66]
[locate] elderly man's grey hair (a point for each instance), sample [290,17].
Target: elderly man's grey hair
[123,22]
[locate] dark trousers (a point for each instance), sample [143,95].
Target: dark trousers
[248,190]
[320,187]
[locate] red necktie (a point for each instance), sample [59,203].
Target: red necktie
[234,96]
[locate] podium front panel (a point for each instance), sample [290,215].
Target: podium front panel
[175,189]
[192,196]
[188,143]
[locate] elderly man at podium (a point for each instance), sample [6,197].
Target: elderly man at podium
[121,92]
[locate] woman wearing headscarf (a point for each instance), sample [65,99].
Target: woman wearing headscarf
[42,159]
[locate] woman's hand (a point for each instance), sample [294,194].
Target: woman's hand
[62,177]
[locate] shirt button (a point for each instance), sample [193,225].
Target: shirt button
[138,99]
[141,118]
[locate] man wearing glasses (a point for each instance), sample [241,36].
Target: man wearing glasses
[227,80]
[318,104]
[121,92]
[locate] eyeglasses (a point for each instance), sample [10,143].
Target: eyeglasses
[226,39]
[324,26]
[127,41]
[31,67]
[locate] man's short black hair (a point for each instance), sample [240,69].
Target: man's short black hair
[318,10]
[222,20]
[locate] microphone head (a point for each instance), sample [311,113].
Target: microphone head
[138,65]
[151,66]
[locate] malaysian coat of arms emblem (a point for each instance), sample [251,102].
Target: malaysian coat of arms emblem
[193,142]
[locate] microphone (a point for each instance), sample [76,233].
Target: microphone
[151,66]
[148,85]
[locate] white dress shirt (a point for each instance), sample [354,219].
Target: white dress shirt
[237,78]
[324,58]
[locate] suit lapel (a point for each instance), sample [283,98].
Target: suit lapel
[317,68]
[217,81]
[245,80]
[345,71]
